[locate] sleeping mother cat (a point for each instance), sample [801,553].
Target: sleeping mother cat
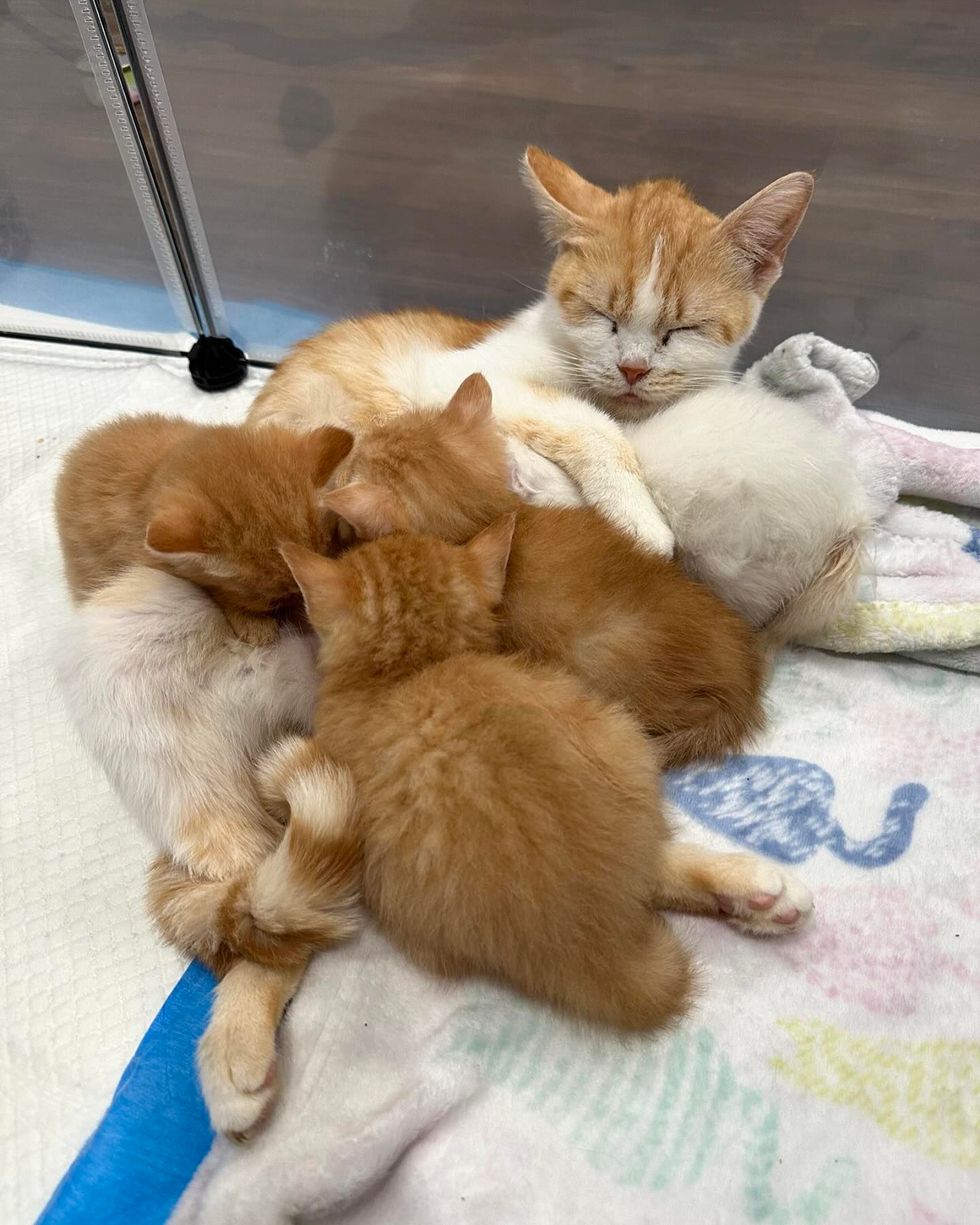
[616,390]
[650,297]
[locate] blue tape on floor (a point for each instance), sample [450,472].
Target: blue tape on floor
[135,1166]
[145,308]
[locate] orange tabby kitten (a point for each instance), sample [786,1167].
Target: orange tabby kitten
[208,503]
[512,823]
[630,625]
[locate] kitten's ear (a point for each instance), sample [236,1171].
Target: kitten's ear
[326,447]
[566,202]
[491,552]
[176,534]
[763,227]
[371,510]
[471,405]
[322,581]
[178,528]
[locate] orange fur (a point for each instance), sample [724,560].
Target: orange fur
[512,823]
[336,377]
[209,503]
[579,594]
[713,273]
[709,268]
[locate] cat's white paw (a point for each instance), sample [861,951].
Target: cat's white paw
[763,899]
[650,530]
[237,1067]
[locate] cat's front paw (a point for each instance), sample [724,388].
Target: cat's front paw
[763,899]
[236,1062]
[652,534]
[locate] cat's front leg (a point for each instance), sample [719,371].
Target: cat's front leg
[592,450]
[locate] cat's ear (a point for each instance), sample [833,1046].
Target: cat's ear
[178,528]
[323,582]
[371,510]
[763,227]
[471,405]
[326,447]
[491,552]
[567,203]
[176,535]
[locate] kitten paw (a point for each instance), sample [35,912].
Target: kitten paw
[763,899]
[237,1068]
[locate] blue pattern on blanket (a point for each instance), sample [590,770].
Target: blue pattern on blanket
[781,806]
[972,546]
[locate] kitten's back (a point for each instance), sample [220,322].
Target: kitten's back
[513,828]
[512,822]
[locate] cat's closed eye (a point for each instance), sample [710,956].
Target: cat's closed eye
[613,323]
[689,327]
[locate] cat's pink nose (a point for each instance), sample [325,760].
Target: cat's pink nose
[633,374]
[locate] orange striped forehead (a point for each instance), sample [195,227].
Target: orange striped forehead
[654,258]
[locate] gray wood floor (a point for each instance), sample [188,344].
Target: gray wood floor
[352,156]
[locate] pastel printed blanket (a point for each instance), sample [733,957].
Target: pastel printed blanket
[825,1079]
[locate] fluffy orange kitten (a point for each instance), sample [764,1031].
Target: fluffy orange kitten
[209,503]
[630,625]
[512,823]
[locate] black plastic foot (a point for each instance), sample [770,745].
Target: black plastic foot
[216,363]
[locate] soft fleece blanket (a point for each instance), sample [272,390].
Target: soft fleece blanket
[829,1078]
[833,1078]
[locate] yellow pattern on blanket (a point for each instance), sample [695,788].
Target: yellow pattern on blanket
[926,1094]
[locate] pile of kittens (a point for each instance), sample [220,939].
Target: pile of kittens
[416,642]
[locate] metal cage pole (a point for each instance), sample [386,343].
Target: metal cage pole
[147,139]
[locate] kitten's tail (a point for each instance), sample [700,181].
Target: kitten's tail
[826,598]
[302,897]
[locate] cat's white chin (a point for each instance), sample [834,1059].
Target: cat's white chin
[631,407]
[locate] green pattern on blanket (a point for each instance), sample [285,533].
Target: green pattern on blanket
[649,1114]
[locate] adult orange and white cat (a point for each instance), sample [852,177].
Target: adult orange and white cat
[650,297]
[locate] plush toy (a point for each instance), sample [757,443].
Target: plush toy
[921,591]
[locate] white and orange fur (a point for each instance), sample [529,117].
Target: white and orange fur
[650,297]
[177,709]
[182,662]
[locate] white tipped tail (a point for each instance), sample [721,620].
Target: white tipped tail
[302,897]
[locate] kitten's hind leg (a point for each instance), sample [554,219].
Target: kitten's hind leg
[753,893]
[236,1057]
